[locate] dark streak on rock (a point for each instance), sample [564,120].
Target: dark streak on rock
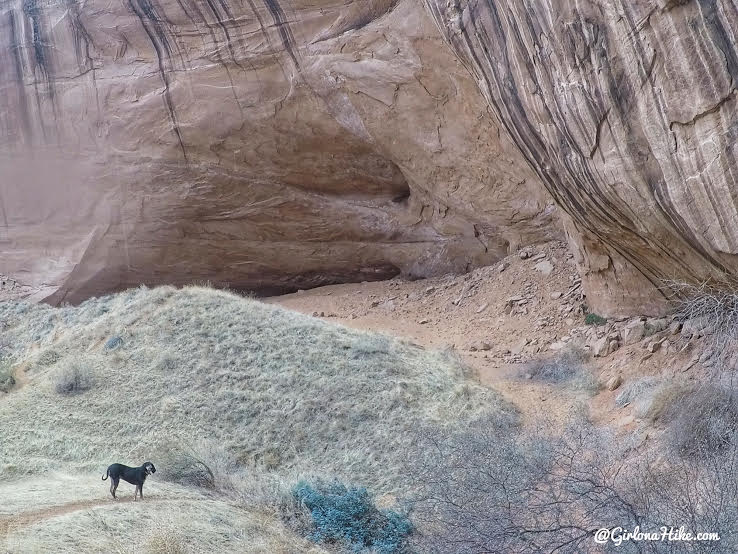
[150,22]
[41,59]
[18,66]
[83,45]
[288,41]
[489,41]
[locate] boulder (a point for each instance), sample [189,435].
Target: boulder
[696,327]
[614,382]
[604,347]
[545,267]
[634,331]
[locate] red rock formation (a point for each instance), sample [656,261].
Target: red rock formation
[262,145]
[627,112]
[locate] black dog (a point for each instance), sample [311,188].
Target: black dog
[133,475]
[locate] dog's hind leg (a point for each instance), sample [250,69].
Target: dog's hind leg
[113,486]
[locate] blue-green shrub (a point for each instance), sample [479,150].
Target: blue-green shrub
[349,516]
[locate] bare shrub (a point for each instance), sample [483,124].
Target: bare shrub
[487,491]
[7,381]
[202,464]
[702,421]
[700,494]
[73,378]
[711,307]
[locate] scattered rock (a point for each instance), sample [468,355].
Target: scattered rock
[113,343]
[604,347]
[634,331]
[537,257]
[614,382]
[519,346]
[524,254]
[654,346]
[424,321]
[481,308]
[556,295]
[696,327]
[545,267]
[503,266]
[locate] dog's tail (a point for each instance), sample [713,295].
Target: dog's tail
[106,474]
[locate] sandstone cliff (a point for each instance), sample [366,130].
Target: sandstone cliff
[264,145]
[627,112]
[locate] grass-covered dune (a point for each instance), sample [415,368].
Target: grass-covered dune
[124,377]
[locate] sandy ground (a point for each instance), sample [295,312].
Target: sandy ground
[497,318]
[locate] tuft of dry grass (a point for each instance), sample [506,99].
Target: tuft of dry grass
[7,381]
[665,398]
[566,368]
[165,541]
[73,377]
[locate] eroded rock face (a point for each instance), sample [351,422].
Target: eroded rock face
[627,112]
[263,145]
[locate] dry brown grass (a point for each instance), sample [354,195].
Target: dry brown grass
[270,386]
[172,520]
[666,398]
[221,391]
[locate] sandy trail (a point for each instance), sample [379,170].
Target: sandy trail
[471,314]
[24,519]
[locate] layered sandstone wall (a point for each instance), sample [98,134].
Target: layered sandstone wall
[263,145]
[627,112]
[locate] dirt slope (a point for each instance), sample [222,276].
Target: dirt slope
[501,318]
